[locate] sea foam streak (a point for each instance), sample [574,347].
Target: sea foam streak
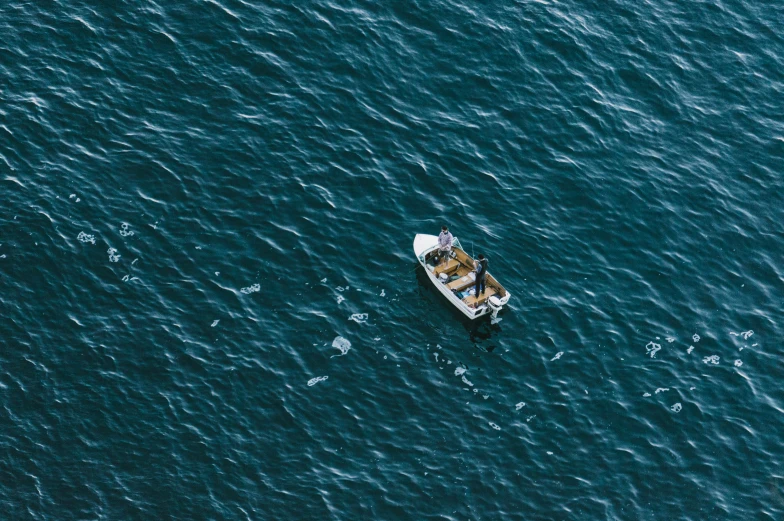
[341,343]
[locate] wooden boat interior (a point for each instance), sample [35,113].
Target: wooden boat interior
[458,269]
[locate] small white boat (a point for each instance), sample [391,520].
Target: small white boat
[455,279]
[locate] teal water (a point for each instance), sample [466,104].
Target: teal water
[197,198]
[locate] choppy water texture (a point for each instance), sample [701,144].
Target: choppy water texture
[210,306]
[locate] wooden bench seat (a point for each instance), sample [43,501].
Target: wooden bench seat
[473,301]
[461,283]
[447,268]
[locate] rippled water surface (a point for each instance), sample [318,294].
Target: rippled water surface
[210,304]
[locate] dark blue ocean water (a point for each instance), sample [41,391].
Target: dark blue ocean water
[198,196]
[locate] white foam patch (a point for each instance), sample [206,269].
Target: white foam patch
[652,348]
[493,425]
[460,371]
[747,334]
[646,395]
[436,356]
[314,381]
[341,343]
[251,289]
[696,338]
[83,237]
[382,293]
[558,355]
[465,381]
[340,298]
[689,350]
[324,280]
[113,257]
[712,359]
[125,230]
[676,407]
[519,406]
[341,288]
[662,389]
[670,339]
[359,317]
[214,323]
[738,363]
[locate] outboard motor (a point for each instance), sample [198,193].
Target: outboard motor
[495,304]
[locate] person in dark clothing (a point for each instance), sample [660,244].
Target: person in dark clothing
[481,274]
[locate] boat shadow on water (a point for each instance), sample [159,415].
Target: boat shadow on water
[481,331]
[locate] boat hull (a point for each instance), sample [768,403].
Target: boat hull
[423,244]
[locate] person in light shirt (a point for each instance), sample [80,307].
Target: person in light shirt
[444,244]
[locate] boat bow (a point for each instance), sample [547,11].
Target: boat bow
[423,242]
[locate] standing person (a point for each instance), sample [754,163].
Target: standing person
[481,274]
[444,244]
